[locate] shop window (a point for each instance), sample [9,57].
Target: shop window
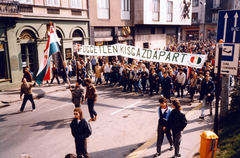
[103,9]
[125,13]
[155,10]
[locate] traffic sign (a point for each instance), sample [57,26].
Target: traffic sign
[230,58]
[229,26]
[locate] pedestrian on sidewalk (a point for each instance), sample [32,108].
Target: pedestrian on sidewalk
[164,112]
[91,97]
[55,73]
[77,94]
[177,122]
[26,89]
[207,94]
[81,130]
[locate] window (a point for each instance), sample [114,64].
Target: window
[216,3]
[169,11]
[194,17]
[214,17]
[103,9]
[53,3]
[195,3]
[25,1]
[76,3]
[156,10]
[125,13]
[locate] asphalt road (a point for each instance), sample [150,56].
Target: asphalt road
[124,123]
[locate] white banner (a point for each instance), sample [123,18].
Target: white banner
[192,60]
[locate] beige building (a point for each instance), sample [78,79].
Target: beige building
[153,23]
[24,33]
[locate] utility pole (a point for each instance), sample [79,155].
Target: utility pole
[220,47]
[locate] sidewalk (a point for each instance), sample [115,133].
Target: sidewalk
[13,95]
[190,143]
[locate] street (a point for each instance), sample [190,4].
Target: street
[124,123]
[46,131]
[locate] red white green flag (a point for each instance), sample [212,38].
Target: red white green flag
[51,48]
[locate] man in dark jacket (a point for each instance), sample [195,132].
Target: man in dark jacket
[144,77]
[80,129]
[77,94]
[207,94]
[167,86]
[91,97]
[164,112]
[55,73]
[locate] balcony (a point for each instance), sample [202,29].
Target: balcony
[9,8]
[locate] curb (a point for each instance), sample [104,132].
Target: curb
[153,140]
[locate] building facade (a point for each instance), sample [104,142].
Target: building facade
[153,23]
[24,32]
[158,22]
[211,16]
[196,30]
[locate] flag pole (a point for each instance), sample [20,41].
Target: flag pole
[64,69]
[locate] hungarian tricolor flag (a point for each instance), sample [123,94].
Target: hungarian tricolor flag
[51,48]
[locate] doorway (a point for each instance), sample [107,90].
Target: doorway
[29,57]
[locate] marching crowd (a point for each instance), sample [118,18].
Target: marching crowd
[141,78]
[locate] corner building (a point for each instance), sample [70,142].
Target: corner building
[24,33]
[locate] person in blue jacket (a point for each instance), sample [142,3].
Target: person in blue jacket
[164,112]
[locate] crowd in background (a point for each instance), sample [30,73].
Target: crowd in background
[144,77]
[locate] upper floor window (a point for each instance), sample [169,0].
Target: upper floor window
[125,13]
[195,3]
[169,11]
[214,17]
[155,10]
[25,1]
[103,9]
[237,4]
[194,17]
[53,3]
[216,3]
[76,3]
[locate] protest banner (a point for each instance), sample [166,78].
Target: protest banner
[192,60]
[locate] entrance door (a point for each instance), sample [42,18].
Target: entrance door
[29,57]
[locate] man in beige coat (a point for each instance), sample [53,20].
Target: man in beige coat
[98,74]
